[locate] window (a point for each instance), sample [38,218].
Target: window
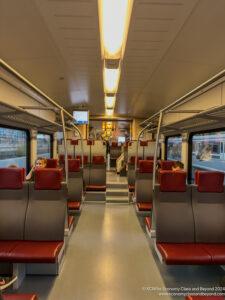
[173,148]
[13,147]
[207,152]
[44,145]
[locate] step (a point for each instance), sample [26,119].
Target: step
[111,199]
[116,192]
[116,185]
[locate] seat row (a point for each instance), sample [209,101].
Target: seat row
[189,220]
[32,221]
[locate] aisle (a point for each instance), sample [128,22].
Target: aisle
[108,258]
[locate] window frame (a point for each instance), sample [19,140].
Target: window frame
[166,142]
[51,141]
[28,139]
[190,147]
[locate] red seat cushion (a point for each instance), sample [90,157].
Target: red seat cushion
[189,297]
[74,205]
[131,188]
[35,252]
[144,206]
[183,254]
[20,297]
[95,187]
[5,248]
[71,219]
[148,222]
[217,252]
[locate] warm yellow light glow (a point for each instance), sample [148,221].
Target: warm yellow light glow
[110,101]
[111,80]
[114,22]
[109,112]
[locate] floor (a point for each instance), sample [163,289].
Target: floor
[110,257]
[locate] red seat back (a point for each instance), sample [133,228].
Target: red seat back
[172,181]
[48,179]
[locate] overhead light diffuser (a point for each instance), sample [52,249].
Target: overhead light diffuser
[111,80]
[109,112]
[114,16]
[110,101]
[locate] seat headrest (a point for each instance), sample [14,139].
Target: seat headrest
[73,165]
[89,142]
[172,181]
[85,159]
[52,163]
[47,179]
[150,157]
[143,143]
[210,181]
[114,144]
[132,159]
[167,164]
[98,160]
[11,178]
[145,166]
[74,142]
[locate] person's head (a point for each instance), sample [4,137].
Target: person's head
[13,166]
[177,166]
[40,162]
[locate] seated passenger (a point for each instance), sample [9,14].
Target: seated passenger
[12,166]
[177,166]
[40,162]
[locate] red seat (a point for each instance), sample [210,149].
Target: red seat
[144,206]
[71,220]
[189,297]
[74,205]
[184,254]
[20,297]
[95,187]
[148,222]
[217,252]
[35,252]
[131,188]
[5,248]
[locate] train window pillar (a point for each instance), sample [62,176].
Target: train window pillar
[33,146]
[163,147]
[184,150]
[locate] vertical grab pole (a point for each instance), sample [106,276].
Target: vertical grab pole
[156,148]
[65,146]
[82,145]
[138,143]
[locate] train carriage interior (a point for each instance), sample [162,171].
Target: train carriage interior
[112,149]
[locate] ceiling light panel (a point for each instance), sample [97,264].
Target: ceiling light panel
[114,18]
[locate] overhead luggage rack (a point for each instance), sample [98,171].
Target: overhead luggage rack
[21,116]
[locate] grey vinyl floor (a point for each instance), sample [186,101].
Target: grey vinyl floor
[110,257]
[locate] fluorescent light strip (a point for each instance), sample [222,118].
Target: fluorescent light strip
[110,101]
[111,80]
[114,18]
[109,112]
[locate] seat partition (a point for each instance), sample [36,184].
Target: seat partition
[208,198]
[13,203]
[173,209]
[143,184]
[46,209]
[75,182]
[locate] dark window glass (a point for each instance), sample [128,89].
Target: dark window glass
[44,145]
[174,148]
[13,147]
[208,152]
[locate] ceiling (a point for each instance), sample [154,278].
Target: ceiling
[172,47]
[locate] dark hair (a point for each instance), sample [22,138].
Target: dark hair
[178,164]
